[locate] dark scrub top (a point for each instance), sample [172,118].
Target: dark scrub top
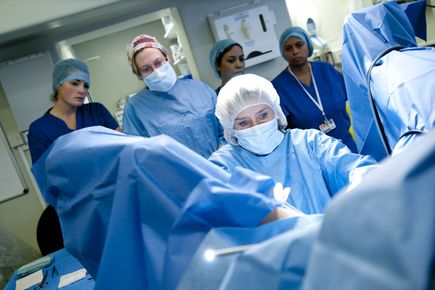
[45,130]
[300,110]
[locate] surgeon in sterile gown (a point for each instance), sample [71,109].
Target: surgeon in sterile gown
[379,235]
[311,164]
[180,108]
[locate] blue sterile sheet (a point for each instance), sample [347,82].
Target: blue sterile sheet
[139,213]
[403,85]
[62,264]
[134,210]
[366,34]
[381,235]
[277,257]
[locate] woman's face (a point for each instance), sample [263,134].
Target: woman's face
[232,64]
[149,60]
[73,93]
[253,116]
[295,51]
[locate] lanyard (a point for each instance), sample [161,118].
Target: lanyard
[317,101]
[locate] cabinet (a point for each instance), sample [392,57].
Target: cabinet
[176,49]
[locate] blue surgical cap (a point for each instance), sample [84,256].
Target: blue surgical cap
[295,31]
[69,69]
[217,50]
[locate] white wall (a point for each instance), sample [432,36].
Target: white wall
[201,39]
[19,216]
[329,17]
[24,13]
[430,18]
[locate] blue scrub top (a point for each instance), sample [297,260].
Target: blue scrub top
[302,113]
[185,113]
[45,130]
[314,165]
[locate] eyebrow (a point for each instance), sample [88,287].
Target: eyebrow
[261,111]
[238,119]
[235,55]
[154,61]
[295,43]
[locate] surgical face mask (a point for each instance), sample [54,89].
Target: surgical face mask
[260,139]
[162,79]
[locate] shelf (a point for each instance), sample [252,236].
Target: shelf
[181,60]
[171,32]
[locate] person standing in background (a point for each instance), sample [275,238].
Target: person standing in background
[313,94]
[69,113]
[180,108]
[227,60]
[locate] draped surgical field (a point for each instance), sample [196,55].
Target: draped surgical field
[399,82]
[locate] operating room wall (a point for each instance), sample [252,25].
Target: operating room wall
[13,18]
[328,28]
[329,17]
[18,216]
[194,16]
[430,17]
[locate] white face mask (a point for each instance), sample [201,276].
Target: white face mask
[260,139]
[162,79]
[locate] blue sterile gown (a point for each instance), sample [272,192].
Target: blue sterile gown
[134,210]
[405,98]
[407,94]
[314,165]
[302,113]
[46,129]
[381,234]
[185,113]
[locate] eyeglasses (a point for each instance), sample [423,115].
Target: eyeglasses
[148,69]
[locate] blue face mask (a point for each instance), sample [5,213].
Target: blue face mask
[260,139]
[162,79]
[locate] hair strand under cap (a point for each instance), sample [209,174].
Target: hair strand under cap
[139,43]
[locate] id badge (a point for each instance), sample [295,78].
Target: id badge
[327,125]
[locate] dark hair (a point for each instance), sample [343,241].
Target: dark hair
[221,55]
[54,96]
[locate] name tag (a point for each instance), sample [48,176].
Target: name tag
[327,126]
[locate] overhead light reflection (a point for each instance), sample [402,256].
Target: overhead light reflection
[211,254]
